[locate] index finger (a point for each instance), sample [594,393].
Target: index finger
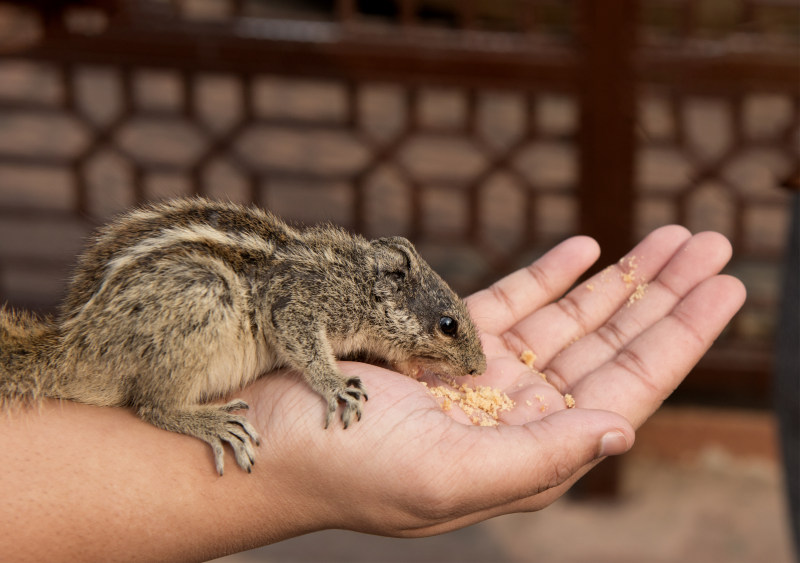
[514,297]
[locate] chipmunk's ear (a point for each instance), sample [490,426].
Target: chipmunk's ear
[395,261]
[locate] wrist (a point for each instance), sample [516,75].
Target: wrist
[126,489]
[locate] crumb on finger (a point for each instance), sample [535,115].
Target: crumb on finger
[528,358]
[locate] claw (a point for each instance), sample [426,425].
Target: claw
[351,395]
[219,456]
[331,412]
[215,425]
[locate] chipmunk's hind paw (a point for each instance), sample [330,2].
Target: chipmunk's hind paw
[237,431]
[215,425]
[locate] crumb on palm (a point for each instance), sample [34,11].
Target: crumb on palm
[482,405]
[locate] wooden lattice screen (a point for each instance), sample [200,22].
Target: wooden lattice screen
[485,131]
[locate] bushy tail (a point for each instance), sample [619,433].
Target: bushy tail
[27,350]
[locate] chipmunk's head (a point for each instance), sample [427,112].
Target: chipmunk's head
[421,320]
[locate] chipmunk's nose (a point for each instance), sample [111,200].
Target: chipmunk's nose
[479,368]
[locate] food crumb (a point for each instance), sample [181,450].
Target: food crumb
[528,358]
[638,294]
[590,286]
[569,400]
[544,375]
[629,277]
[482,404]
[528,402]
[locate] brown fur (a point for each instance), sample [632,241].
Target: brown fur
[181,302]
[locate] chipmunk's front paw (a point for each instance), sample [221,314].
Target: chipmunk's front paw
[350,392]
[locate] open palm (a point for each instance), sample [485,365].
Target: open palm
[619,343]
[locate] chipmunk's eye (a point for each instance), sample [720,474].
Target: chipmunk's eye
[448,326]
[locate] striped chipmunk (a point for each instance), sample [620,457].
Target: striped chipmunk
[178,304]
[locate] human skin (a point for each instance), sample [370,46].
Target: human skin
[88,483]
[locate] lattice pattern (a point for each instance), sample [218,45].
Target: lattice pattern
[715,163]
[478,178]
[713,158]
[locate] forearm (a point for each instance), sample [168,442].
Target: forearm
[88,483]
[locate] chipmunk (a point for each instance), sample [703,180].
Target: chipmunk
[176,304]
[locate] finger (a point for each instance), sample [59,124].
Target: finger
[588,306]
[517,295]
[649,368]
[699,258]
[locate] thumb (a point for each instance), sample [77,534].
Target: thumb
[571,439]
[521,467]
[543,454]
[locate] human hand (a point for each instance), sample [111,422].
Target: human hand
[409,468]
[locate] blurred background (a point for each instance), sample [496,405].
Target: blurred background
[485,131]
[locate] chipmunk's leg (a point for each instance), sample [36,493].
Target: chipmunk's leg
[334,388]
[318,364]
[171,395]
[306,348]
[214,424]
[181,348]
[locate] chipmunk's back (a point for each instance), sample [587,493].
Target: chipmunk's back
[225,228]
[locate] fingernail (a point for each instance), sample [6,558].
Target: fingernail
[613,443]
